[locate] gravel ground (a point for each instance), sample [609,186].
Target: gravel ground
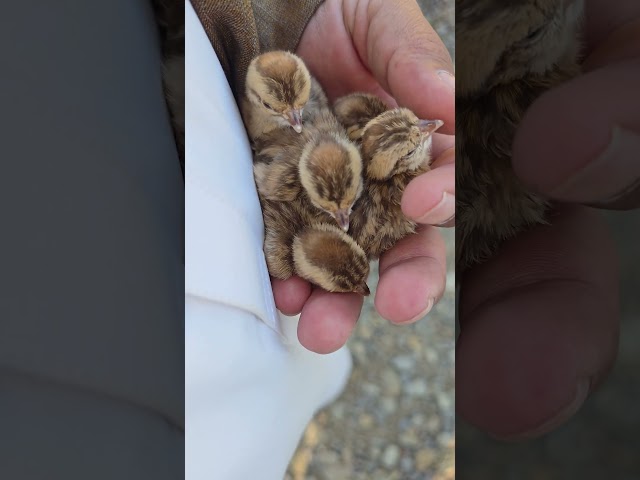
[395,419]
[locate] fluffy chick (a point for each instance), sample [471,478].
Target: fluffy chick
[297,242]
[278,91]
[395,149]
[512,52]
[354,111]
[320,167]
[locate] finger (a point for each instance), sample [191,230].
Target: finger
[539,327]
[327,320]
[290,295]
[430,199]
[440,144]
[406,56]
[412,277]
[580,141]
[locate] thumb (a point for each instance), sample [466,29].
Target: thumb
[580,142]
[405,55]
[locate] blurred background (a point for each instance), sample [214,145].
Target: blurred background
[602,440]
[396,419]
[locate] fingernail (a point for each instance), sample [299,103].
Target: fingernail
[448,79]
[426,310]
[582,391]
[610,177]
[444,211]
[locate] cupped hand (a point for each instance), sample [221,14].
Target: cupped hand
[539,322]
[388,49]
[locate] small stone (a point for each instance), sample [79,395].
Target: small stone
[377,442]
[337,410]
[359,351]
[445,439]
[404,362]
[444,401]
[417,388]
[406,464]
[418,419]
[391,382]
[389,405]
[424,459]
[365,420]
[327,457]
[333,470]
[371,389]
[391,456]
[433,424]
[409,438]
[414,343]
[365,330]
[431,355]
[379,475]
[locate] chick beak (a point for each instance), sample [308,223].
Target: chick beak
[295,119]
[427,127]
[342,217]
[363,290]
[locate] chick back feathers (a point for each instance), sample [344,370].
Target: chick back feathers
[355,110]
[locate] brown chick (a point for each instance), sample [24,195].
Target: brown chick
[395,149]
[320,167]
[512,52]
[296,242]
[278,91]
[355,110]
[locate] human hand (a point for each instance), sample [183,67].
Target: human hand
[539,322]
[388,49]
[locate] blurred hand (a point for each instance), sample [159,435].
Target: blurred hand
[539,322]
[389,49]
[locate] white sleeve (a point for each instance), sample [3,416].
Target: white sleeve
[250,387]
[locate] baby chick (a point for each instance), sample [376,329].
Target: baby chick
[395,149]
[354,111]
[511,53]
[296,242]
[278,90]
[320,167]
[325,255]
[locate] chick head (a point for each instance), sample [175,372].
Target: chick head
[328,257]
[395,142]
[355,110]
[279,84]
[331,174]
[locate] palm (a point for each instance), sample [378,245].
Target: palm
[328,50]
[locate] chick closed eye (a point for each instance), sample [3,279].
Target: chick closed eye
[277,89]
[331,174]
[396,141]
